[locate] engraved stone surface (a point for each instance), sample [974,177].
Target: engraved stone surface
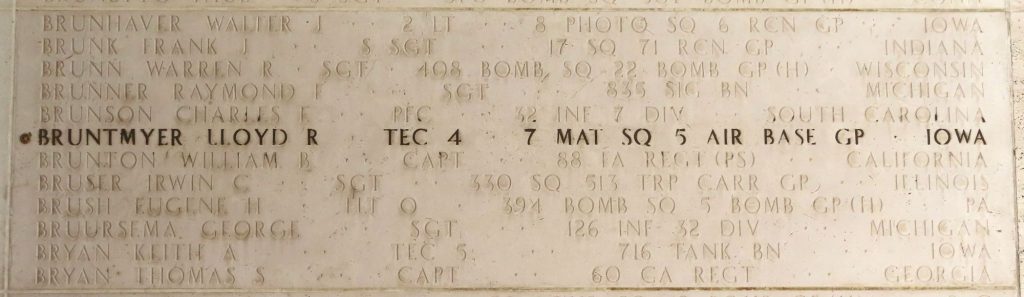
[511,148]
